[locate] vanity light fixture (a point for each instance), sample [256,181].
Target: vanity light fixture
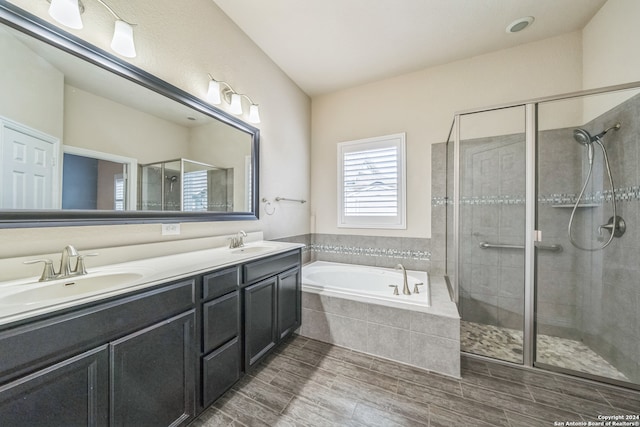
[67,13]
[233,98]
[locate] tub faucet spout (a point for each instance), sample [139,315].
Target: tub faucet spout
[405,289]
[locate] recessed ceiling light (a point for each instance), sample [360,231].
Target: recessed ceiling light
[519,24]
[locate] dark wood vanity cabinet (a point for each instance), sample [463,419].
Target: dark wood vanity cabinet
[127,362]
[156,357]
[272,303]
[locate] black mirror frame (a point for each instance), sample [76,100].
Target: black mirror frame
[29,24]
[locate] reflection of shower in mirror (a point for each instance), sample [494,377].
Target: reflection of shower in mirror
[172,179]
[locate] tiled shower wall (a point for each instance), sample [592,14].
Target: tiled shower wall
[589,296]
[612,304]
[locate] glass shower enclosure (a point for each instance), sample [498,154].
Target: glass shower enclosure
[543,226]
[185,185]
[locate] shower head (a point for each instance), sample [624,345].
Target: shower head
[583,137]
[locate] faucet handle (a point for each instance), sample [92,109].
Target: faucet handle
[81,268]
[48,273]
[415,287]
[395,289]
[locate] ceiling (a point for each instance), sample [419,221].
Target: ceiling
[328,45]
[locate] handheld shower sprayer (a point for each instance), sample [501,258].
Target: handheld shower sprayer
[617,228]
[583,137]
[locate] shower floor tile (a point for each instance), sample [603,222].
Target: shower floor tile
[506,344]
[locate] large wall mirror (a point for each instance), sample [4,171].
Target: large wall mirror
[88,139]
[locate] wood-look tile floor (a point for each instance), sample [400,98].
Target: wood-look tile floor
[310,383]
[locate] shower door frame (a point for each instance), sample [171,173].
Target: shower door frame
[531,234]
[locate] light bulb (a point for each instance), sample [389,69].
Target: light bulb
[66,12]
[254,114]
[122,42]
[236,104]
[213,94]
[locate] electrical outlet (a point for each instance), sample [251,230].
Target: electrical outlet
[170,229]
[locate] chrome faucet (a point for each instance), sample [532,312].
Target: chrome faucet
[405,289]
[65,271]
[65,261]
[237,241]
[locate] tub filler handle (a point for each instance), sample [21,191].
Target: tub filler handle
[415,287]
[395,289]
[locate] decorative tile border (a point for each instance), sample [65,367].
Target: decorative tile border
[372,252]
[624,194]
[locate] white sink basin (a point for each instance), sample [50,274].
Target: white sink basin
[38,292]
[252,250]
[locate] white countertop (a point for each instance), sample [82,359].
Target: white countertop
[149,272]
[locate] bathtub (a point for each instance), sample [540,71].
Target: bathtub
[366,283]
[353,306]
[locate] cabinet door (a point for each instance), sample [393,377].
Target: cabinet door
[153,375]
[289,296]
[260,320]
[73,392]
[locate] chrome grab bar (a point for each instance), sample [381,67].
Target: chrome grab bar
[551,248]
[280,199]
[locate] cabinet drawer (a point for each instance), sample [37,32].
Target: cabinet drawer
[221,319]
[220,370]
[30,347]
[264,268]
[220,283]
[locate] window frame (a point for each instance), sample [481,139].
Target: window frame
[398,221]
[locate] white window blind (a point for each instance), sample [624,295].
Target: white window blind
[195,191]
[118,192]
[371,180]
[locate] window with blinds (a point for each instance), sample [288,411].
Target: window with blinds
[371,183]
[119,192]
[194,189]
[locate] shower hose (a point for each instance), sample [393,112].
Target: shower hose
[584,186]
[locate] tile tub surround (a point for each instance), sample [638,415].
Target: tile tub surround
[310,383]
[427,339]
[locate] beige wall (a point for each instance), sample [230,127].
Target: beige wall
[181,45]
[610,53]
[99,124]
[24,72]
[422,104]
